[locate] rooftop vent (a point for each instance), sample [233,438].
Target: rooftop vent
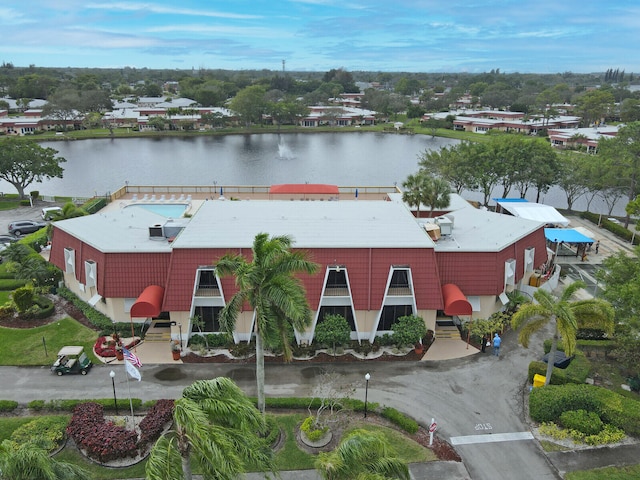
[155,232]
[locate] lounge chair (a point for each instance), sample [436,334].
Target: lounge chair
[181,197]
[162,198]
[153,198]
[145,198]
[135,197]
[172,198]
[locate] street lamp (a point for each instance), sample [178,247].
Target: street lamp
[112,374]
[367,377]
[180,328]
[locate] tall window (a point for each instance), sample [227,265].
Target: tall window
[209,315]
[337,279]
[400,279]
[345,311]
[207,279]
[391,313]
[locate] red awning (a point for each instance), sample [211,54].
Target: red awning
[455,303]
[315,188]
[149,303]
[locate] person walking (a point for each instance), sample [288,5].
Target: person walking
[485,341]
[496,345]
[597,246]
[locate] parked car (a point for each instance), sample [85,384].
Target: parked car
[50,213]
[72,359]
[25,226]
[7,239]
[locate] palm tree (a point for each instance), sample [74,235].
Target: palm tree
[268,285]
[422,189]
[362,455]
[566,316]
[28,461]
[217,424]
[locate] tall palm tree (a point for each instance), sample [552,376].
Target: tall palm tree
[217,425]
[28,461]
[362,455]
[269,286]
[566,316]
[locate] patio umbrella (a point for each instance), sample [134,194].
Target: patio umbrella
[356,193]
[220,191]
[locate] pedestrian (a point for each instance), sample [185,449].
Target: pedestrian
[597,246]
[496,345]
[485,342]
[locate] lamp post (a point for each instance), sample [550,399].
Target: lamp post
[180,328]
[367,377]
[112,374]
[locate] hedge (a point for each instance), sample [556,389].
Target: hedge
[8,405]
[11,284]
[97,319]
[69,405]
[614,228]
[577,371]
[546,404]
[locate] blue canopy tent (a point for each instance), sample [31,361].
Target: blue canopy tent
[564,239]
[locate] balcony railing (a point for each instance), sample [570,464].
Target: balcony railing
[208,292]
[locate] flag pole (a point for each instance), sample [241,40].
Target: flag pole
[126,374]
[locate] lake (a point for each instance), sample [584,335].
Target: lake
[100,166]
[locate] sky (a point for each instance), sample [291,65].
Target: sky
[543,36]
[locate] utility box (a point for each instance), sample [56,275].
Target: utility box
[539,380]
[445,224]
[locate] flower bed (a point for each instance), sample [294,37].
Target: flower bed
[104,442]
[106,346]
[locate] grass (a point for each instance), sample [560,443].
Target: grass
[290,457]
[9,424]
[101,473]
[608,473]
[548,446]
[25,347]
[4,296]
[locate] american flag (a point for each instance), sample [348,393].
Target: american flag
[132,357]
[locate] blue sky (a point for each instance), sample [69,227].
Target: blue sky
[544,36]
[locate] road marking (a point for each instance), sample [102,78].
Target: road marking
[495,437]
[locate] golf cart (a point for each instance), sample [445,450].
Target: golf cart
[71,360]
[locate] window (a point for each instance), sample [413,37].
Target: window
[400,279]
[90,272]
[337,279]
[207,279]
[345,311]
[69,260]
[209,315]
[391,313]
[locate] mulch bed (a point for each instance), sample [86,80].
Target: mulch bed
[64,308]
[320,357]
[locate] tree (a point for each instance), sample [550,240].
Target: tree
[452,164]
[621,277]
[566,317]
[620,161]
[269,286]
[408,330]
[572,178]
[423,189]
[593,106]
[28,461]
[362,454]
[332,330]
[250,104]
[217,425]
[23,162]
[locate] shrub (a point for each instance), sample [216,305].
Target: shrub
[577,371]
[408,330]
[546,404]
[23,298]
[7,310]
[36,405]
[407,424]
[588,423]
[11,284]
[8,405]
[313,431]
[94,205]
[152,426]
[47,432]
[99,320]
[333,331]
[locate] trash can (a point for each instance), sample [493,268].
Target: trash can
[538,380]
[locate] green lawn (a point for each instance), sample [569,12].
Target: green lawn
[608,473]
[26,346]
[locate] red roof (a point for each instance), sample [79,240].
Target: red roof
[149,303]
[455,303]
[317,188]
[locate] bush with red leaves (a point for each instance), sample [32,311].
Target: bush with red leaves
[152,426]
[101,440]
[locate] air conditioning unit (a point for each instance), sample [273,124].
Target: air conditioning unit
[445,224]
[155,231]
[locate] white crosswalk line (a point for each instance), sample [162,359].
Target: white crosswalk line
[491,438]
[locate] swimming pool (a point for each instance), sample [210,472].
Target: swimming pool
[169,210]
